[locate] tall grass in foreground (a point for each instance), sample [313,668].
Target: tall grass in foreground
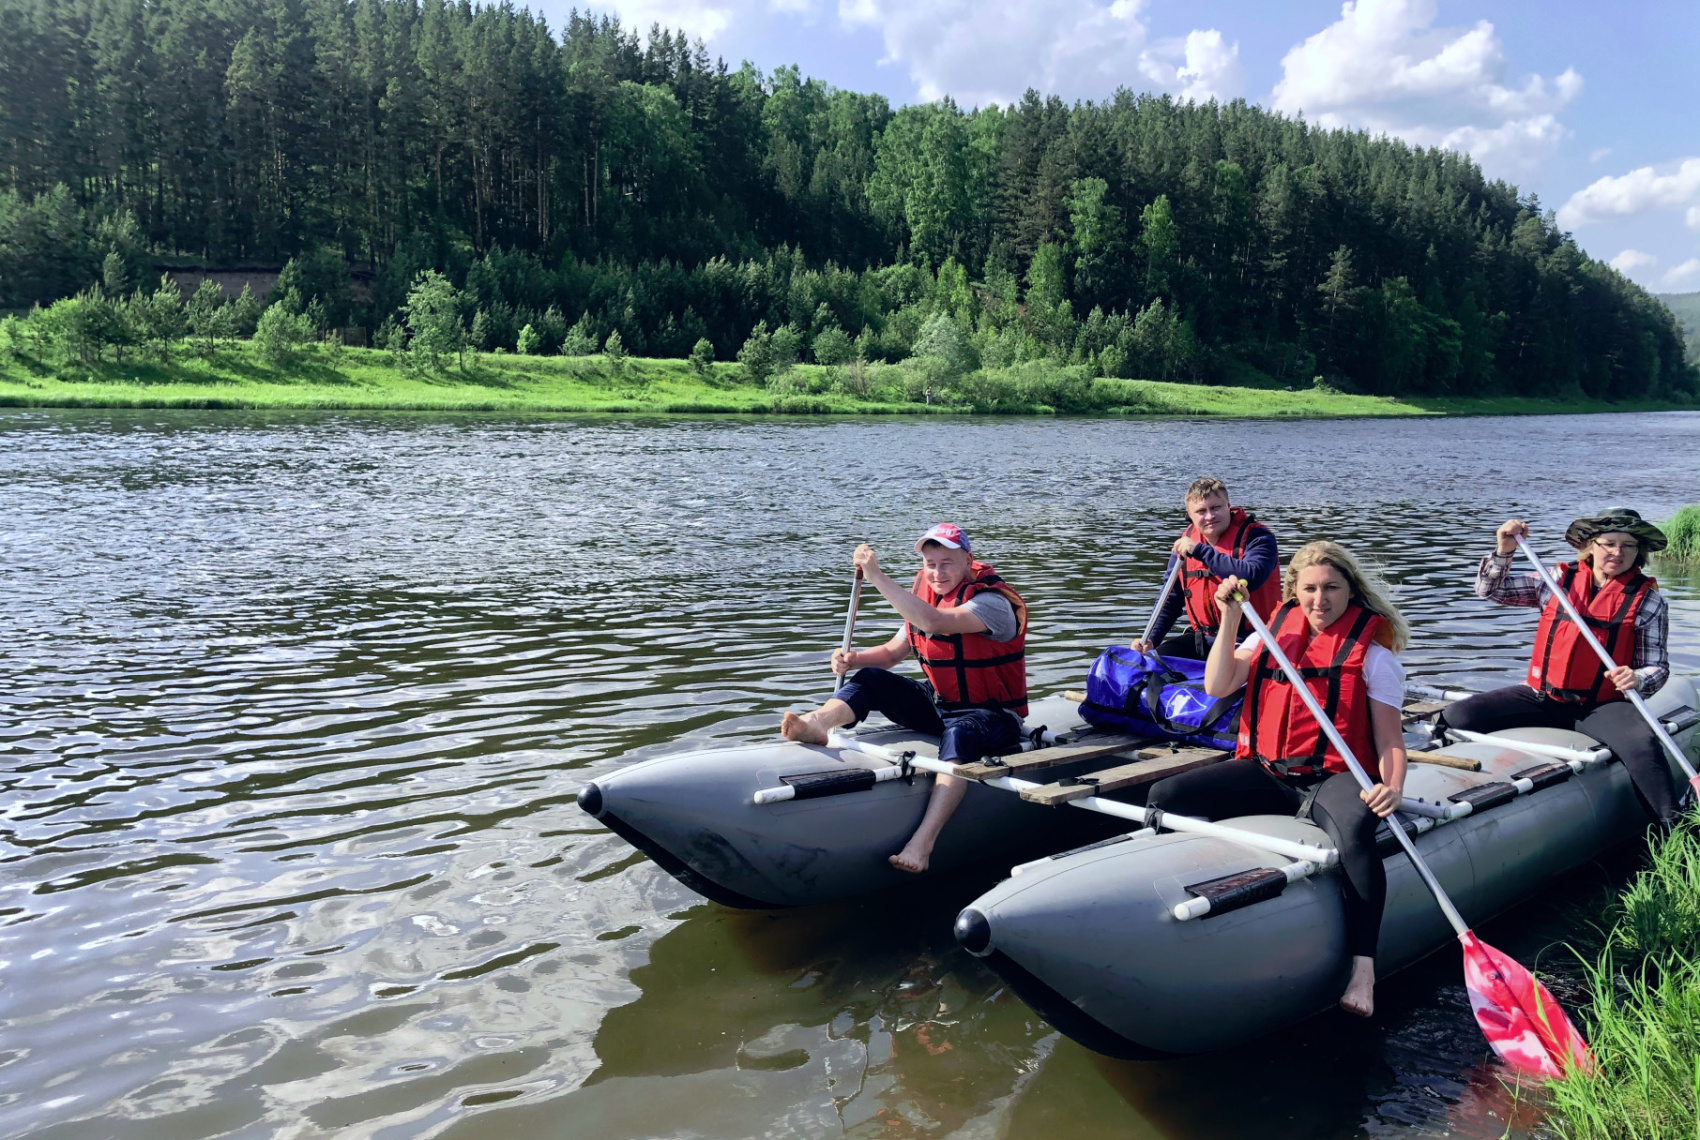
[1643,1020]
[1683,530]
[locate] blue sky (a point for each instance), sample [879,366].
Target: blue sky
[1593,106]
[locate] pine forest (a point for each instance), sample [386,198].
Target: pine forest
[578,184]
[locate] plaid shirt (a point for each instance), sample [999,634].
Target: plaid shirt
[1651,660]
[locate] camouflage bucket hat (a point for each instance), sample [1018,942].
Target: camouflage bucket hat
[1620,519]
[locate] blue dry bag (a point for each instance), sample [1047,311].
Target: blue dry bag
[1159,696]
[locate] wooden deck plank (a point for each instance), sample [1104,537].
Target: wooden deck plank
[1163,764]
[1444,761]
[1019,762]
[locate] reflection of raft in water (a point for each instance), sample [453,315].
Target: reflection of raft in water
[695,813]
[1092,939]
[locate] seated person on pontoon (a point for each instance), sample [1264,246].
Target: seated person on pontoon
[1344,636]
[1567,686]
[1222,541]
[968,628]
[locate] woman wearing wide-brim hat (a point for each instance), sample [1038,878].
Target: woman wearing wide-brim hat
[1567,685]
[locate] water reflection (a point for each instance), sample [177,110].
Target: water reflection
[298,704]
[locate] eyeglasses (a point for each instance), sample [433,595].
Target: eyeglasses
[1618,547]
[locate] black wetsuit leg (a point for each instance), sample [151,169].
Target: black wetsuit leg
[1515,706]
[1340,812]
[1245,787]
[1225,790]
[1618,726]
[1614,724]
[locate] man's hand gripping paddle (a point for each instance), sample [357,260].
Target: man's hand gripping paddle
[1606,659]
[850,621]
[1517,1015]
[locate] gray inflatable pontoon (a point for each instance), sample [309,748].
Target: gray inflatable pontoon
[1090,938]
[693,813]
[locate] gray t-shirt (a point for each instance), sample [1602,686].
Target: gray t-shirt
[992,608]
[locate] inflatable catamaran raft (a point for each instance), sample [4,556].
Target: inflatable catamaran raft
[1151,945]
[787,824]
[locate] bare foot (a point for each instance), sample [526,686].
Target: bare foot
[912,858]
[1359,997]
[794,727]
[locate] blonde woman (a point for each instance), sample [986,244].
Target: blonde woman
[1344,637]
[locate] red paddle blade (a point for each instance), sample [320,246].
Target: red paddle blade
[1520,1019]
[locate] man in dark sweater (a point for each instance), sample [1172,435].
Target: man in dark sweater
[1222,541]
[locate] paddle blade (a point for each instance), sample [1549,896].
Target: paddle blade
[1520,1019]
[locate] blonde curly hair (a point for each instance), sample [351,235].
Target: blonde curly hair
[1366,591]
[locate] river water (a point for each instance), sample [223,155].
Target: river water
[295,708]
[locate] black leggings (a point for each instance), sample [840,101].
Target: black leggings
[1245,787]
[1614,724]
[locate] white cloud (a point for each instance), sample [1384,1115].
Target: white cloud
[698,17]
[979,54]
[1631,260]
[1637,192]
[1598,153]
[1078,49]
[1385,68]
[1684,277]
[1200,67]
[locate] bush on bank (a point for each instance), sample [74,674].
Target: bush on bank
[1683,530]
[1643,1018]
[292,366]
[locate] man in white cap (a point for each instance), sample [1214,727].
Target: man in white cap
[968,629]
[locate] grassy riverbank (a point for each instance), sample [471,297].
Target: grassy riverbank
[1643,1022]
[353,378]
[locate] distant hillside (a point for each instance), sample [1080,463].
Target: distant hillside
[1686,307]
[583,180]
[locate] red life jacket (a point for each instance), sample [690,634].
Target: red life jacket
[1562,666]
[1201,584]
[970,670]
[1277,729]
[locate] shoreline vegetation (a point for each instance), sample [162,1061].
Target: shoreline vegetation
[357,379]
[1642,1017]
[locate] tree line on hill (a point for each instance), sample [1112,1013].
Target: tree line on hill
[585,183]
[1685,307]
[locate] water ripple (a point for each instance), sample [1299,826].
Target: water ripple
[298,706]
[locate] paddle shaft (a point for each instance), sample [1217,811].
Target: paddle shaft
[1606,659]
[1334,737]
[1163,599]
[850,617]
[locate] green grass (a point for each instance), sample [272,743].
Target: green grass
[1683,531]
[1643,1019]
[368,379]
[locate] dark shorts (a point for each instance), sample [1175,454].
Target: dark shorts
[965,734]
